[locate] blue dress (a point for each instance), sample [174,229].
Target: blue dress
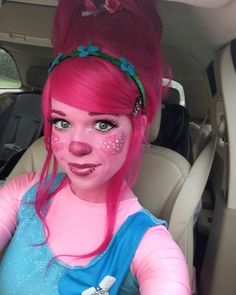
[29,268]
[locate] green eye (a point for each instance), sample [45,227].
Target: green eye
[105,125]
[60,124]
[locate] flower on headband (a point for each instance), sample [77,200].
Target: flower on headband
[127,66]
[112,5]
[85,51]
[55,62]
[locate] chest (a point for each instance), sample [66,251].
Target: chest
[29,266]
[74,229]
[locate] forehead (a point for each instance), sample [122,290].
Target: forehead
[65,110]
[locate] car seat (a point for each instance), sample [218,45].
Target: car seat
[174,130]
[6,105]
[23,127]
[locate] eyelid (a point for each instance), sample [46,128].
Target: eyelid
[57,124]
[53,120]
[108,120]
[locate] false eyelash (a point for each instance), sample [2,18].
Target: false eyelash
[55,120]
[109,121]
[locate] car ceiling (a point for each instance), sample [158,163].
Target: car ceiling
[193,30]
[195,33]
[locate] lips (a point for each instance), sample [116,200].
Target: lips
[82,169]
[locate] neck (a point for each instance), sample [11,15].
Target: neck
[99,194]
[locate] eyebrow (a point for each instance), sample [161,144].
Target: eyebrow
[100,114]
[90,113]
[58,112]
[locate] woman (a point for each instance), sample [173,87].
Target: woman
[84,231]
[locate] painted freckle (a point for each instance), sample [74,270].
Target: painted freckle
[114,144]
[56,142]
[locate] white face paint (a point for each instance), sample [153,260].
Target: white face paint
[114,144]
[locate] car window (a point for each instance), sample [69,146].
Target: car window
[9,76]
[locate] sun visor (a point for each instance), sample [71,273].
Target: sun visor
[28,24]
[36,2]
[203,3]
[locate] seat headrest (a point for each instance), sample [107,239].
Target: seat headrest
[174,126]
[5,102]
[36,77]
[153,130]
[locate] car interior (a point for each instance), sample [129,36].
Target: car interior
[188,167]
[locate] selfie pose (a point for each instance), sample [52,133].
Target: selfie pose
[84,231]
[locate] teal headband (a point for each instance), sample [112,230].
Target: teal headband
[122,63]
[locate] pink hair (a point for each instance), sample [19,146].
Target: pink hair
[96,85]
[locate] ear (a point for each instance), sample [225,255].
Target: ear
[143,124]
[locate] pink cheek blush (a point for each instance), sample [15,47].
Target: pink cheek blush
[57,143]
[113,145]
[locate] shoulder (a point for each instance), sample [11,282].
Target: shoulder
[16,187]
[11,195]
[156,239]
[159,261]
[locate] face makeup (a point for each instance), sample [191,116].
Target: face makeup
[114,144]
[91,147]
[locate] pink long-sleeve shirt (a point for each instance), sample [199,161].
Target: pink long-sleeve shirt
[158,265]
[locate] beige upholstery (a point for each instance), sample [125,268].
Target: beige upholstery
[32,160]
[161,177]
[200,136]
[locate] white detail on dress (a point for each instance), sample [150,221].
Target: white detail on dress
[103,288]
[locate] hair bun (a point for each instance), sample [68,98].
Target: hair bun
[111,6]
[90,5]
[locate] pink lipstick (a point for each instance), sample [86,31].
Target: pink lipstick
[82,169]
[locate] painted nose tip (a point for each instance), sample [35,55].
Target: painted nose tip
[78,148]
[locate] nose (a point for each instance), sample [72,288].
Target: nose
[79,148]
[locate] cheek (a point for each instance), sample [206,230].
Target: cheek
[58,142]
[114,144]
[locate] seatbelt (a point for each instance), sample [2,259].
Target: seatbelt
[192,189]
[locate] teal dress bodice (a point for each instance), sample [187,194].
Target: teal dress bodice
[29,268]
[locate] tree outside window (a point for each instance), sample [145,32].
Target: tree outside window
[9,76]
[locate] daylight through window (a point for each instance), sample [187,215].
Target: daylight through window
[9,76]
